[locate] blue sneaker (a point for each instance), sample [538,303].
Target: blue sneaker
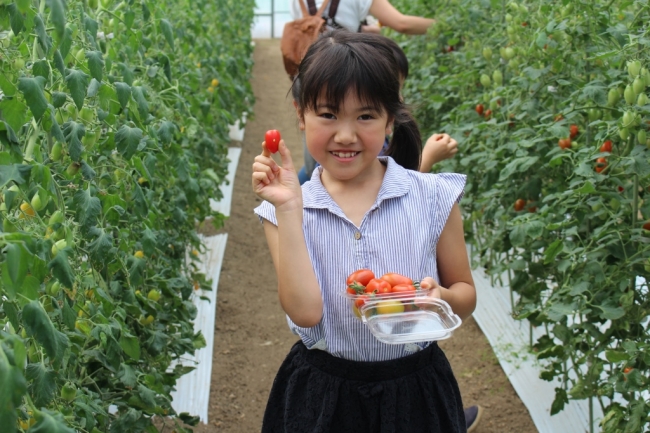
[472,417]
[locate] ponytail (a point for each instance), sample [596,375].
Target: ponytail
[405,146]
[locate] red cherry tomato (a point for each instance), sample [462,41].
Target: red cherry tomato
[378,286]
[272,139]
[403,288]
[607,146]
[395,279]
[358,279]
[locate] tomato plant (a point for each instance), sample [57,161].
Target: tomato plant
[568,276]
[108,151]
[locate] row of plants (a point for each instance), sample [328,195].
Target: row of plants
[113,131]
[549,102]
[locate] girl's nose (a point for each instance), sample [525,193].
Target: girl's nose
[345,134]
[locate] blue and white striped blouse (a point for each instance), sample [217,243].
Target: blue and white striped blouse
[399,233]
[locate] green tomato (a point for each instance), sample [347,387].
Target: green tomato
[38,202]
[638,85]
[87,114]
[72,111]
[624,133]
[57,152]
[642,100]
[614,204]
[641,136]
[509,53]
[154,295]
[68,392]
[497,76]
[73,168]
[58,246]
[613,97]
[593,114]
[629,94]
[487,53]
[485,80]
[80,55]
[18,64]
[628,118]
[54,289]
[633,68]
[56,218]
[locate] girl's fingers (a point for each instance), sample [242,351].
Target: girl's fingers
[285,156]
[265,151]
[264,168]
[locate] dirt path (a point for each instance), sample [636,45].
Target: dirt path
[251,334]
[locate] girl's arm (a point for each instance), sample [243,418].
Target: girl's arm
[456,283]
[391,17]
[298,288]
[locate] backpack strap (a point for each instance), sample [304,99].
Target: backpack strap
[333,8]
[312,7]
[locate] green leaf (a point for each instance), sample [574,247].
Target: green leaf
[141,101]
[560,400]
[38,325]
[95,64]
[61,269]
[91,26]
[534,229]
[123,93]
[17,23]
[127,140]
[77,82]
[616,356]
[587,188]
[127,375]
[553,250]
[148,241]
[7,86]
[517,165]
[32,89]
[518,235]
[66,43]
[141,206]
[58,99]
[73,132]
[14,112]
[30,287]
[101,245]
[41,35]
[41,68]
[167,31]
[13,388]
[89,208]
[16,263]
[136,270]
[42,383]
[580,288]
[130,345]
[18,173]
[57,16]
[610,310]
[50,422]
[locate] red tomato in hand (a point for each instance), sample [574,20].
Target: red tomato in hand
[272,139]
[357,280]
[378,286]
[394,279]
[403,288]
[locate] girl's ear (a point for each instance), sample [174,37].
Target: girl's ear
[389,128]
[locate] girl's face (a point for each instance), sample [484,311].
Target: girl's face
[345,142]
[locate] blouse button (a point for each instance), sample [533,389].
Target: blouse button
[357,235]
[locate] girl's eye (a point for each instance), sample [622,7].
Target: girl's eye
[327,115]
[366,117]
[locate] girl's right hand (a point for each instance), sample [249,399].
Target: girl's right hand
[276,184]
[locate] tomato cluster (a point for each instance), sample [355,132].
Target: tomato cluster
[365,286]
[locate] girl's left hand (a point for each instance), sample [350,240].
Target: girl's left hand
[429,283]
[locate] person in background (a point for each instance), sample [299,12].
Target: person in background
[359,210]
[352,15]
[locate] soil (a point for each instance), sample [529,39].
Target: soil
[251,333]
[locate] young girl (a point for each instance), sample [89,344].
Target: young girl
[361,211]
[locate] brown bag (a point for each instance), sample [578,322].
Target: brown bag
[299,34]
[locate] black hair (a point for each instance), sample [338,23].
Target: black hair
[400,58]
[340,61]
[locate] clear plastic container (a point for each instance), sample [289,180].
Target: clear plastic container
[398,318]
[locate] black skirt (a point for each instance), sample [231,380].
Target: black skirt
[315,392]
